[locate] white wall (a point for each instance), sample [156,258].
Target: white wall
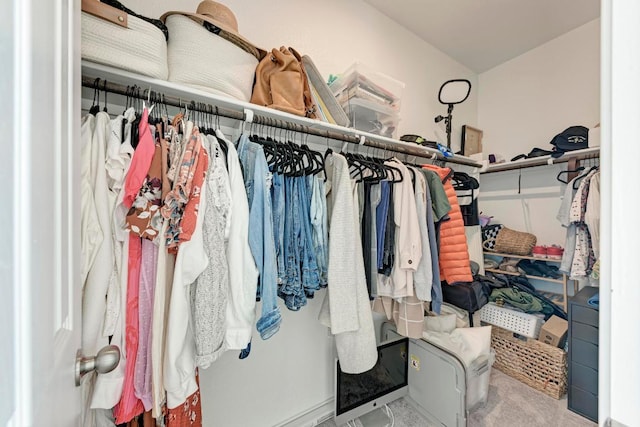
[522,104]
[533,210]
[293,372]
[335,34]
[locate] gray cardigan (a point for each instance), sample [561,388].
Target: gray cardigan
[346,308]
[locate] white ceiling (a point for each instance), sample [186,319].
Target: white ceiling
[484,33]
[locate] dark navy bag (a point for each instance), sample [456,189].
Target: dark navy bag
[572,138]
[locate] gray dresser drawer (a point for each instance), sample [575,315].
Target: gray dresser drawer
[584,332]
[584,403]
[584,315]
[584,377]
[584,353]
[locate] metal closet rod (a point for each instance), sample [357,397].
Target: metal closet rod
[138,92]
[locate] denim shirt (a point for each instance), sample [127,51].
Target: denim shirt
[292,291]
[381,221]
[278,202]
[310,273]
[257,180]
[318,213]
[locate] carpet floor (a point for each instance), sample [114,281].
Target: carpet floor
[510,404]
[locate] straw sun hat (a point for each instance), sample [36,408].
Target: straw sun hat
[224,24]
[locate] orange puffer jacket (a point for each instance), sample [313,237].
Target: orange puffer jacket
[454,253]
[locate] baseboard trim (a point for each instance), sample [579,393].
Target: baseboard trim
[613,423]
[311,417]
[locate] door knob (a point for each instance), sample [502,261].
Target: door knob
[105,361]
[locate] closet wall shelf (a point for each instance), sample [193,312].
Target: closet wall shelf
[118,79]
[520,256]
[562,281]
[546,279]
[587,153]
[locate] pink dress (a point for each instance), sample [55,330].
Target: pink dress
[142,373]
[140,162]
[129,405]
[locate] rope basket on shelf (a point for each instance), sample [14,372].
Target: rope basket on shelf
[498,238]
[538,365]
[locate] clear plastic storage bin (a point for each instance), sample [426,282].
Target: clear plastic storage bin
[362,82]
[478,376]
[371,117]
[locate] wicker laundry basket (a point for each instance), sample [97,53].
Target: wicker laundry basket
[539,365]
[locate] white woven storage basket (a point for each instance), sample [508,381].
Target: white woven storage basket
[511,320]
[141,48]
[203,60]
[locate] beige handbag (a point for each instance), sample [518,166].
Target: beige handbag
[509,241]
[282,84]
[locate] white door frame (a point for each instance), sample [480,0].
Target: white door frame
[40,212]
[24,264]
[8,327]
[619,350]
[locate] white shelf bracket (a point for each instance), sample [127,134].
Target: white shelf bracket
[248,115]
[248,118]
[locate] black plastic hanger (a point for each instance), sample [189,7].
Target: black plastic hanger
[377,171]
[463,181]
[105,97]
[122,123]
[135,90]
[95,106]
[568,171]
[576,184]
[393,170]
[355,169]
[314,157]
[413,176]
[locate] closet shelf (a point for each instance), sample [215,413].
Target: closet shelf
[508,273]
[562,281]
[519,256]
[235,109]
[587,153]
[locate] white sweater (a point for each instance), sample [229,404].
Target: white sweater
[346,309]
